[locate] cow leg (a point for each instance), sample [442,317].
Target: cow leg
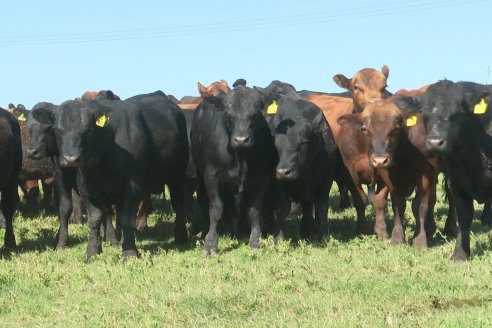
[126,213]
[399,204]
[464,208]
[380,202]
[430,224]
[8,203]
[451,226]
[109,231]
[255,216]
[48,189]
[32,195]
[282,210]
[177,201]
[144,208]
[307,221]
[216,209]
[486,217]
[425,195]
[189,201]
[321,200]
[360,202]
[201,223]
[95,215]
[76,216]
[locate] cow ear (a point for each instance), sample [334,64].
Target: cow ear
[202,89]
[353,119]
[20,112]
[408,103]
[342,81]
[385,70]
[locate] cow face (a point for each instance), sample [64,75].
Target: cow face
[296,140]
[41,123]
[77,123]
[450,113]
[381,125]
[367,86]
[243,116]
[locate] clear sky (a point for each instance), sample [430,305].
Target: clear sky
[56,50]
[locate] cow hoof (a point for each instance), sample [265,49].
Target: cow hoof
[126,255]
[254,244]
[60,245]
[9,243]
[420,242]
[381,232]
[93,250]
[209,252]
[460,255]
[397,235]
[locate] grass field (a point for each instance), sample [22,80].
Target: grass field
[348,281]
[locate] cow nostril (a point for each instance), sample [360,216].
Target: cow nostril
[32,152]
[241,140]
[70,159]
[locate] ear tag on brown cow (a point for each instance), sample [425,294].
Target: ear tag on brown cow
[102,121]
[21,117]
[480,108]
[272,109]
[412,120]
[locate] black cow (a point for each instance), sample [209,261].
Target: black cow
[10,166]
[42,144]
[33,170]
[234,155]
[123,150]
[459,128]
[307,157]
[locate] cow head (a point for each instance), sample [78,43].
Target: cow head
[367,85]
[41,125]
[296,139]
[452,112]
[77,125]
[381,125]
[213,89]
[242,112]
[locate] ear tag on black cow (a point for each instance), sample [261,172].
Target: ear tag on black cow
[272,109]
[102,121]
[412,120]
[21,117]
[480,108]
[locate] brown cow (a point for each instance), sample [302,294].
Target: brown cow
[377,151]
[213,89]
[366,86]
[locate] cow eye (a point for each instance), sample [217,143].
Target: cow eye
[357,88]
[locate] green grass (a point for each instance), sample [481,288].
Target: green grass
[348,281]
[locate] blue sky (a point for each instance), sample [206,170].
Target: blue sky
[56,50]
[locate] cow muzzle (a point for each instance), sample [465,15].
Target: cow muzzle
[286,174]
[435,144]
[69,160]
[380,161]
[243,141]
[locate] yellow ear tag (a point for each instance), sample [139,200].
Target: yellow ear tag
[480,108]
[272,109]
[102,120]
[412,120]
[21,117]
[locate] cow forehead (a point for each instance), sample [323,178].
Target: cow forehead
[380,114]
[370,77]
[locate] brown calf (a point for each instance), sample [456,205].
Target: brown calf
[377,151]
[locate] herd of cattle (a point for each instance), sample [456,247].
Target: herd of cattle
[248,153]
